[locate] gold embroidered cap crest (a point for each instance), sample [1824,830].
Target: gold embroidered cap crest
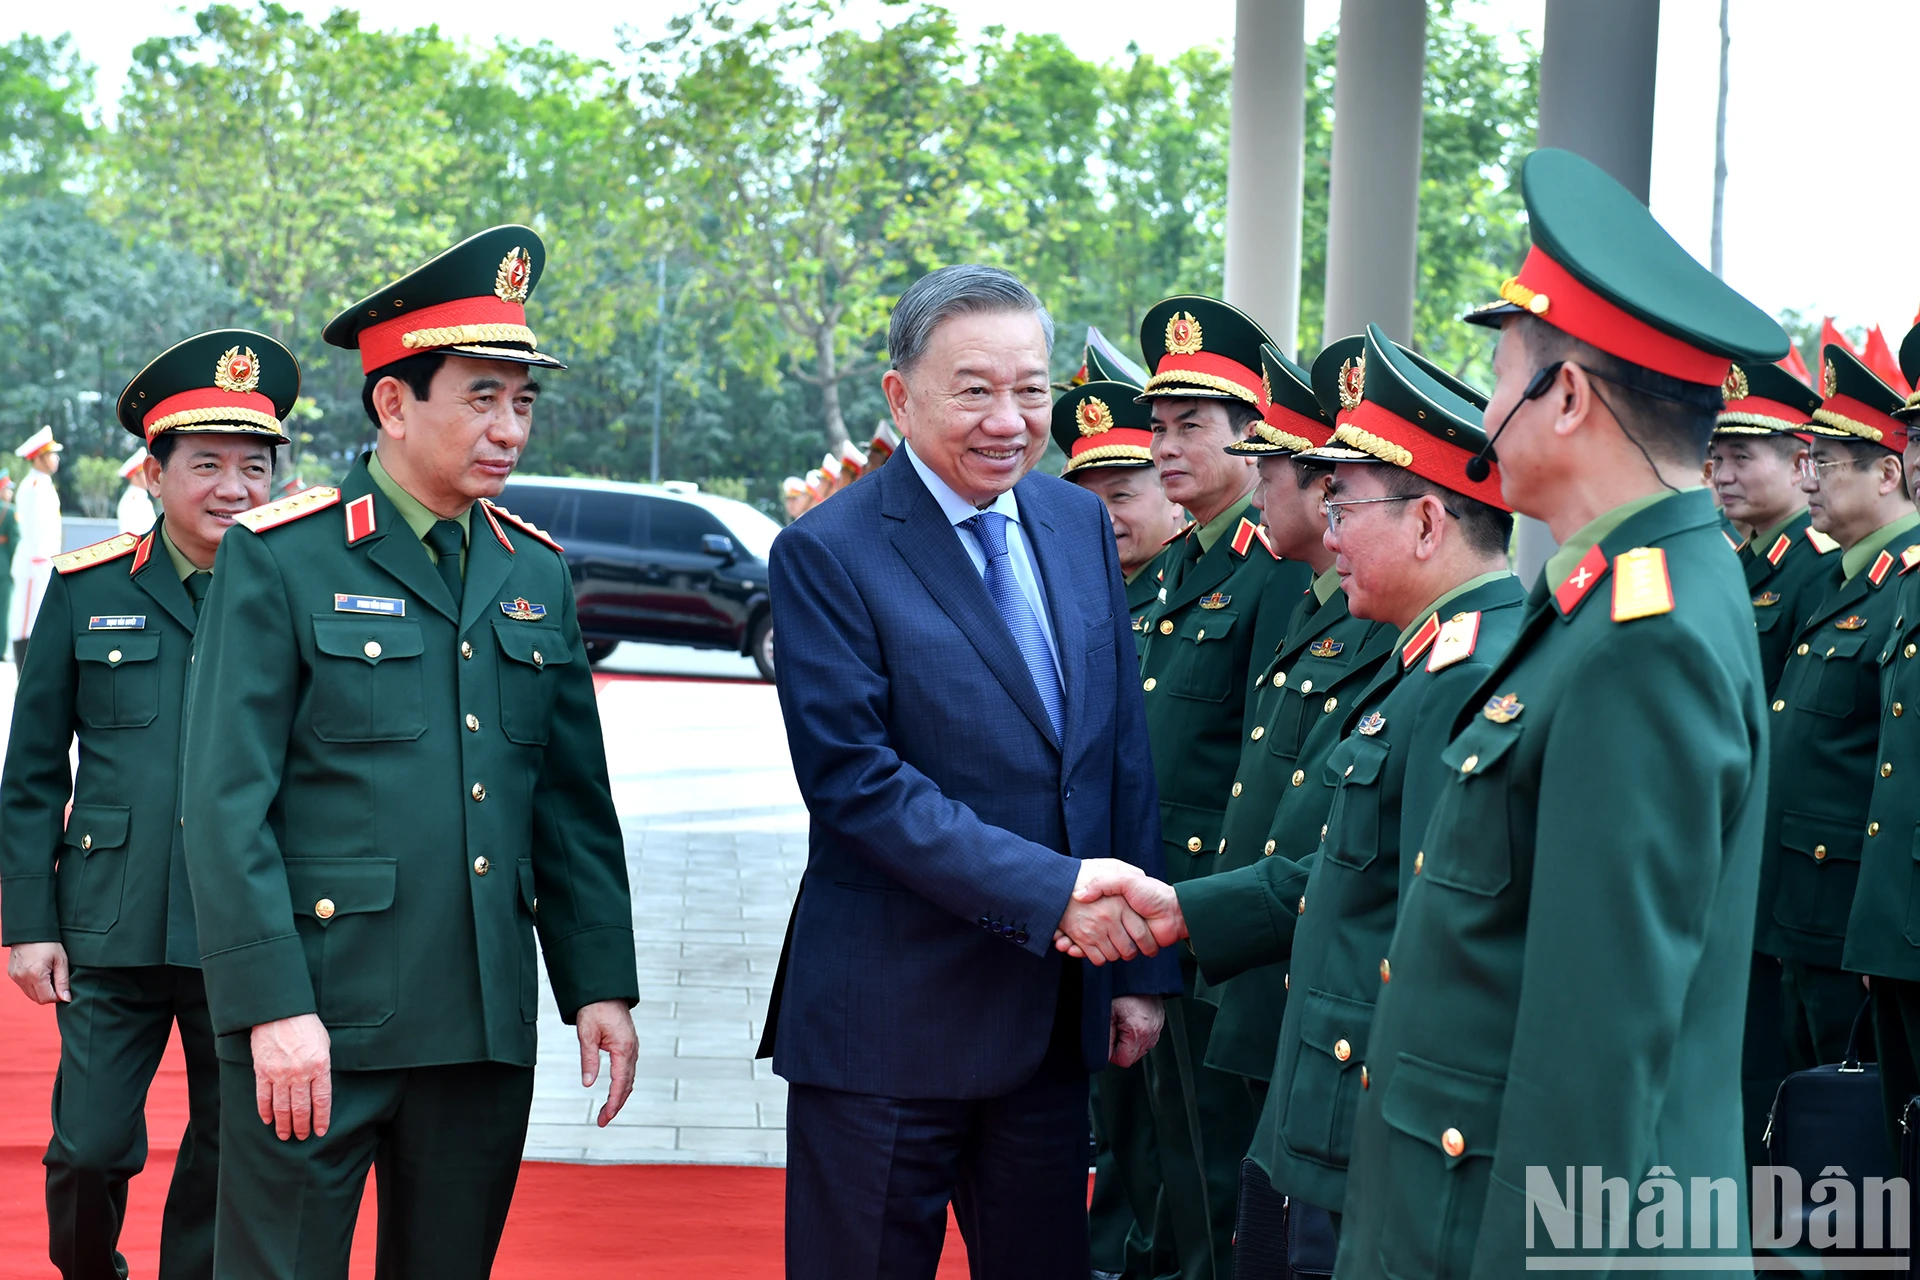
[1266,388]
[1094,417]
[1183,334]
[237,370]
[1829,379]
[1736,386]
[1353,382]
[514,279]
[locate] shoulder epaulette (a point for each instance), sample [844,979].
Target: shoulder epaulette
[304,503]
[120,544]
[1458,635]
[1641,586]
[1179,533]
[1243,536]
[1910,557]
[1882,564]
[525,526]
[1821,542]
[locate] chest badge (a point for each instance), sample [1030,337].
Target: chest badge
[1327,648]
[520,610]
[1766,599]
[1852,622]
[1140,623]
[387,605]
[1216,601]
[1503,708]
[1371,723]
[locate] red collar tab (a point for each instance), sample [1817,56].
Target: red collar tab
[1548,290]
[1261,534]
[141,554]
[1881,564]
[1737,546]
[360,521]
[1180,533]
[523,525]
[1411,651]
[1778,549]
[1585,576]
[1243,536]
[498,532]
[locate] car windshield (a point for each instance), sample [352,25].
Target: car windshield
[750,527]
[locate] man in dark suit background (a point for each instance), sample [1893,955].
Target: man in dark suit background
[963,706]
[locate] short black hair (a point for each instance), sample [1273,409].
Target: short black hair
[1662,414]
[1307,470]
[167,441]
[416,371]
[1488,529]
[1240,416]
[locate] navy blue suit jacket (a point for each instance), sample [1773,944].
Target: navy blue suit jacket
[946,822]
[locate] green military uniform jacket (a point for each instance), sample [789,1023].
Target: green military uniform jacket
[109,662]
[1196,670]
[1143,591]
[1568,976]
[1883,931]
[1326,659]
[1386,776]
[1825,735]
[9,539]
[386,794]
[1787,570]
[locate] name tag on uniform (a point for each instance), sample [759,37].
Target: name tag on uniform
[117,622]
[370,604]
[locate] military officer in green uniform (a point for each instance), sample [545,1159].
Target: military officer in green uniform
[94,904]
[394,778]
[1224,598]
[1567,981]
[1825,713]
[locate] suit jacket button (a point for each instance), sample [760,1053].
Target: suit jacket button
[1021,937]
[324,908]
[481,866]
[1386,970]
[1299,776]
[371,648]
[538,659]
[114,656]
[1303,905]
[1259,732]
[1268,852]
[1166,626]
[1236,789]
[984,922]
[1150,682]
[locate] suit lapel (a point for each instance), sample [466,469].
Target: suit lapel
[157,578]
[488,565]
[1063,607]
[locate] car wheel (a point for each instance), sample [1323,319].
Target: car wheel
[598,650]
[760,647]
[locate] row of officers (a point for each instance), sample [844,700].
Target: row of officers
[339,763]
[1469,878]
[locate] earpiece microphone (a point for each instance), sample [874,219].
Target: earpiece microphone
[1478,466]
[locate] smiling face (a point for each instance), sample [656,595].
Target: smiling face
[1190,436]
[1381,543]
[976,405]
[206,482]
[462,442]
[1757,478]
[1142,517]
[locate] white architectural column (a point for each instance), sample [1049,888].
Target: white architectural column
[1265,160]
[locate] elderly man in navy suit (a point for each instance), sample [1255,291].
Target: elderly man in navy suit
[958,677]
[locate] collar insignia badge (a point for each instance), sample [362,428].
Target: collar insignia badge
[1327,648]
[1503,708]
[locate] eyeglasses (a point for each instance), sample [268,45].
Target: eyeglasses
[1810,470]
[1331,509]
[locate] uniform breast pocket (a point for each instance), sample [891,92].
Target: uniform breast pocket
[1476,854]
[1444,1125]
[1353,827]
[1766,618]
[93,867]
[343,910]
[1324,1093]
[530,661]
[1830,687]
[1202,666]
[119,679]
[1819,868]
[367,681]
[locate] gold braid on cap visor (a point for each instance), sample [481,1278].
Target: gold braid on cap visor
[457,334]
[1108,453]
[1759,423]
[213,413]
[1284,439]
[1840,422]
[1191,378]
[1379,446]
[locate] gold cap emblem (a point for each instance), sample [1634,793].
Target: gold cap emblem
[1353,382]
[514,279]
[1829,379]
[1736,386]
[1266,388]
[237,370]
[1094,417]
[1183,334]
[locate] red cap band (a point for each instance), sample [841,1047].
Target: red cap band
[1433,458]
[252,402]
[381,344]
[1893,432]
[1761,407]
[1281,418]
[1124,437]
[1574,309]
[1212,370]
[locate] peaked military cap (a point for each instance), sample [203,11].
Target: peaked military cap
[39,442]
[1103,362]
[469,301]
[1394,409]
[1201,348]
[1102,424]
[1910,365]
[1764,400]
[1327,365]
[1602,270]
[225,381]
[1291,420]
[1856,403]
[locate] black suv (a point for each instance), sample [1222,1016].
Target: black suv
[664,563]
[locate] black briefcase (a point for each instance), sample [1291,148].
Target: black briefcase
[1832,1115]
[1312,1242]
[1259,1228]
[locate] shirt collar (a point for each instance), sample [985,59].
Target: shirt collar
[1209,533]
[1763,540]
[1862,553]
[956,508]
[418,516]
[1562,562]
[181,565]
[1326,584]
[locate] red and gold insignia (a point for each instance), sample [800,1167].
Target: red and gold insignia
[493,522]
[141,555]
[1778,549]
[360,521]
[1766,599]
[1852,622]
[1216,601]
[1371,723]
[1180,533]
[1592,568]
[1094,417]
[1730,540]
[1424,637]
[1243,536]
[1266,388]
[1353,382]
[1881,564]
[1821,542]
[514,279]
[1183,334]
[524,525]
[304,503]
[1326,648]
[1910,557]
[237,370]
[98,553]
[1458,635]
[1641,587]
[1829,379]
[1736,386]
[1503,708]
[1260,533]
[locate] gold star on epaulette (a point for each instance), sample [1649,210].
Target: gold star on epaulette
[304,503]
[99,553]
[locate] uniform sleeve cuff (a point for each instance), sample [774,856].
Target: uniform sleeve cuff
[28,912]
[590,966]
[1233,924]
[260,982]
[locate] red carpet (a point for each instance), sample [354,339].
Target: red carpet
[577,1222]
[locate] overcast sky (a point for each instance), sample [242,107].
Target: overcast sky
[1819,198]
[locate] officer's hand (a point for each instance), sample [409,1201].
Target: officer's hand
[608,1025]
[293,1076]
[1100,928]
[1137,1021]
[1155,904]
[40,970]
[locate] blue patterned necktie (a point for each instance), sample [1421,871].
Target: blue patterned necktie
[990,528]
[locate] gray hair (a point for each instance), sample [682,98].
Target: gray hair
[966,288]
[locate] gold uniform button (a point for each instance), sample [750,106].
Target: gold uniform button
[1148,686]
[1467,765]
[1364,1081]
[466,648]
[1306,687]
[1331,703]
[1873,828]
[1268,852]
[1908,651]
[1286,982]
[1386,970]
[1323,831]
[1193,844]
[1452,1142]
[1223,845]
[114,656]
[1299,776]
[473,723]
[1279,679]
[1898,709]
[1199,635]
[1419,860]
[371,648]
[1347,774]
[1886,770]
[86,841]
[1166,626]
[1779,704]
[1236,789]
[1342,1050]
[481,866]
[1259,732]
[1819,853]
[479,791]
[1802,651]
[539,659]
[324,908]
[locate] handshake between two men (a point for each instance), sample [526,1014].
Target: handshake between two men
[1118,912]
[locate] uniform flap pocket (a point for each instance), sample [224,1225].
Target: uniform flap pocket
[1766,619]
[534,646]
[1454,1111]
[114,648]
[327,887]
[97,826]
[1336,1026]
[1479,747]
[372,640]
[1356,760]
[1189,826]
[1841,647]
[1821,837]
[1203,625]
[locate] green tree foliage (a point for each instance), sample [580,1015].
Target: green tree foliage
[44,92]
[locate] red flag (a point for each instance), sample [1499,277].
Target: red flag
[1829,334]
[1878,356]
[1794,365]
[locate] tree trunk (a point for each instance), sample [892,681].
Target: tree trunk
[829,388]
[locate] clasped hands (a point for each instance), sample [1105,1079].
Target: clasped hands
[1118,912]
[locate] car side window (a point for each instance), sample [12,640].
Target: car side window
[535,503]
[603,517]
[679,526]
